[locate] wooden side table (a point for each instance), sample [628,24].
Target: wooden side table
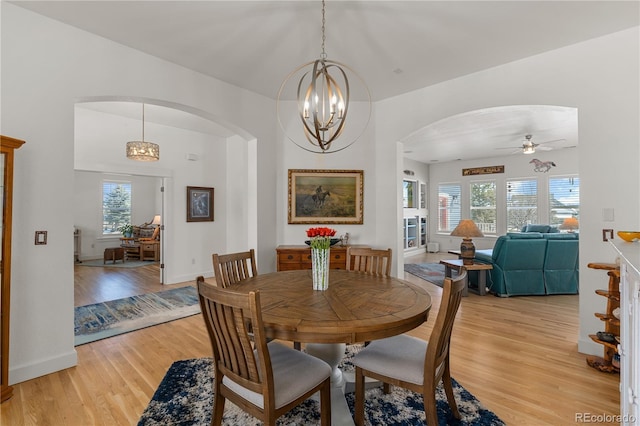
[150,250]
[113,254]
[482,268]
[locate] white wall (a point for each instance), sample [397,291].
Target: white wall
[600,78]
[515,167]
[359,156]
[45,71]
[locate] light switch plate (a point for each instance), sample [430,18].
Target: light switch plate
[41,238]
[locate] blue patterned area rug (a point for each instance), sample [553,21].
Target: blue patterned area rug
[185,397]
[432,272]
[107,319]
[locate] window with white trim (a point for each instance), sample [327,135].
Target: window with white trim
[564,199]
[483,205]
[448,207]
[522,203]
[116,206]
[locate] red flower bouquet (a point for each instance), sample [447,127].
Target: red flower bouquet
[320,238]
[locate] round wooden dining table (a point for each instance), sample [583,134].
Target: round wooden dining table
[357,307]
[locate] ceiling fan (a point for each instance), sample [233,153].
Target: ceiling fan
[529,147]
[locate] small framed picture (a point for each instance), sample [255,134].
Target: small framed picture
[326,196]
[199,204]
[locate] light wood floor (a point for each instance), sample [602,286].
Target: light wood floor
[517,355]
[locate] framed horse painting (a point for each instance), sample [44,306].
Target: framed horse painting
[326,196]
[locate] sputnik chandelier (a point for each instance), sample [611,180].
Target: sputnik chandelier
[323,95]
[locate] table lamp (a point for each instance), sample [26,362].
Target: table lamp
[570,224]
[467,229]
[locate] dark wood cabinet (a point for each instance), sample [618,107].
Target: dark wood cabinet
[299,257]
[7,147]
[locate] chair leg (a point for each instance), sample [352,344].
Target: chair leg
[430,407]
[218,409]
[325,403]
[359,395]
[448,389]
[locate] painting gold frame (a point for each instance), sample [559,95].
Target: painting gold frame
[326,196]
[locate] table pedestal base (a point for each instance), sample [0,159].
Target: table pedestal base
[332,354]
[341,382]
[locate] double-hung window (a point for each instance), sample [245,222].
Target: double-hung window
[483,205]
[116,206]
[564,199]
[448,207]
[522,203]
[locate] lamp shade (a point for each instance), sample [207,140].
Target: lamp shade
[570,224]
[143,151]
[467,229]
[156,220]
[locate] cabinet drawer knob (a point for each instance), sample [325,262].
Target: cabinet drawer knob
[289,257]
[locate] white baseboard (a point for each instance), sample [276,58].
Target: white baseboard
[22,373]
[190,277]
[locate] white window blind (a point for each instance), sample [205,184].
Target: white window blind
[522,203]
[564,199]
[483,206]
[448,207]
[116,206]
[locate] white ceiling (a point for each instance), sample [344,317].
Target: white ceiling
[396,46]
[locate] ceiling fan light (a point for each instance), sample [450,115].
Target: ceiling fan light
[528,149]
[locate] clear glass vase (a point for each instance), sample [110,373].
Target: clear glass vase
[320,268]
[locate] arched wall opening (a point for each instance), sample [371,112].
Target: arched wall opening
[196,149]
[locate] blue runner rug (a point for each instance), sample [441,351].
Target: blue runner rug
[117,264]
[185,397]
[432,272]
[107,319]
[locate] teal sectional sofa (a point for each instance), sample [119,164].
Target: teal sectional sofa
[532,263]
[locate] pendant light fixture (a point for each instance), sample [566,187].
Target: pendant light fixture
[323,96]
[141,150]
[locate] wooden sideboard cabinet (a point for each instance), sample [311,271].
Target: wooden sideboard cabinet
[299,257]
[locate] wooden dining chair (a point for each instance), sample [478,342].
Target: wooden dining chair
[413,363]
[371,261]
[234,267]
[264,379]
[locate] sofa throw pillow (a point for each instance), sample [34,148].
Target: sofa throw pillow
[524,236]
[537,228]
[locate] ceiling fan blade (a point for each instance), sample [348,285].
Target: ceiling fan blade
[555,140]
[544,148]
